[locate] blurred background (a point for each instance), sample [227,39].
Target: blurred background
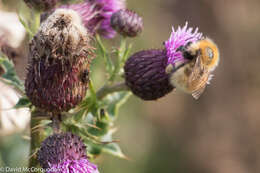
[220,132]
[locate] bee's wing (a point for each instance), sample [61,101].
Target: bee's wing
[197,70]
[196,94]
[199,73]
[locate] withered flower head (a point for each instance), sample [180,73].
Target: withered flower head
[127,23]
[145,74]
[59,59]
[65,152]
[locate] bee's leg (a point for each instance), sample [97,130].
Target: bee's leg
[169,69]
[181,49]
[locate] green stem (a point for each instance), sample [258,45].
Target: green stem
[37,136]
[120,56]
[56,120]
[108,89]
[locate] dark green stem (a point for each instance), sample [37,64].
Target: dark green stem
[37,136]
[107,89]
[56,120]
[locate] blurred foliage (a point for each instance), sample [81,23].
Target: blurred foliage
[10,77]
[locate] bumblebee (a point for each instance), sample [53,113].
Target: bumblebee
[192,75]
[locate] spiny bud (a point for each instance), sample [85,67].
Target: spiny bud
[41,5]
[145,74]
[59,59]
[127,23]
[63,152]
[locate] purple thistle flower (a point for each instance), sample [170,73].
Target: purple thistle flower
[109,7]
[180,37]
[96,15]
[79,166]
[90,13]
[65,153]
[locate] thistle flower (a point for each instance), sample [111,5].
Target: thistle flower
[145,71]
[127,23]
[41,4]
[109,7]
[65,152]
[145,74]
[59,59]
[180,37]
[96,15]
[90,13]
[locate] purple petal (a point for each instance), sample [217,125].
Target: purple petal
[73,166]
[180,37]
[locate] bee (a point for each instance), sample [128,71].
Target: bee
[192,76]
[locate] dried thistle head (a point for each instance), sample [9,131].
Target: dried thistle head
[59,59]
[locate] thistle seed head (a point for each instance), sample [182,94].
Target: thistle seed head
[59,59]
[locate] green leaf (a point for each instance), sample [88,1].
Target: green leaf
[115,101]
[114,149]
[26,26]
[36,21]
[10,77]
[102,129]
[90,103]
[92,91]
[22,103]
[79,116]
[93,149]
[108,146]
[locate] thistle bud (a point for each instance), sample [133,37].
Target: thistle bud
[63,152]
[145,74]
[41,5]
[59,59]
[127,23]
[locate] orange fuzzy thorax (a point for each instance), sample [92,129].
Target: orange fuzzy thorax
[203,45]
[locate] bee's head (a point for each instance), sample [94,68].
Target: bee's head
[189,51]
[209,53]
